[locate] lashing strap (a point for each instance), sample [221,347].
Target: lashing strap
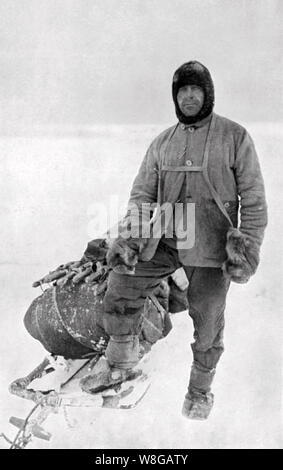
[204,170]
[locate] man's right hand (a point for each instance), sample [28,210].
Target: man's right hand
[122,255]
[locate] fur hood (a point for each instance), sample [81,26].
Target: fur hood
[193,73]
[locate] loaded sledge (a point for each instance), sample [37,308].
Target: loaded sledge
[67,318]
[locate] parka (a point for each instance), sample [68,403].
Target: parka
[227,169]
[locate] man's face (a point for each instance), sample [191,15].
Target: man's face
[190,99]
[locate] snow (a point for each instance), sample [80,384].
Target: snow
[48,188]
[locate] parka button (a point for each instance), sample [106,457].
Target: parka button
[183,126]
[191,129]
[226,205]
[189,163]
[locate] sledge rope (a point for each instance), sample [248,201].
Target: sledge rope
[6,438]
[21,440]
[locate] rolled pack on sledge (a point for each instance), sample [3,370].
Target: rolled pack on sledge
[68,319]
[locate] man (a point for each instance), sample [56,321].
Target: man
[208,163]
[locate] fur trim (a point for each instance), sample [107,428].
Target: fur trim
[122,255]
[96,250]
[238,266]
[193,73]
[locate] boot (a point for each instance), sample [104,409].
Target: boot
[199,401]
[121,355]
[106,377]
[122,351]
[197,405]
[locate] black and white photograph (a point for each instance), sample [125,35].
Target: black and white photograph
[141,248]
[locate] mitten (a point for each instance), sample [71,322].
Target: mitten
[122,255]
[242,257]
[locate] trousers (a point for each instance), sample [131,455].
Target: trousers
[206,294]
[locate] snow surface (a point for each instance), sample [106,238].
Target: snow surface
[48,186]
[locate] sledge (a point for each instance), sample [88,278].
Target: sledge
[67,319]
[56,384]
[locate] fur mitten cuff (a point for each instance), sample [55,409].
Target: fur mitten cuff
[242,257]
[123,254]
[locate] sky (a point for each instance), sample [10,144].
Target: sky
[88,62]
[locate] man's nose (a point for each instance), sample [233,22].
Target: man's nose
[189,92]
